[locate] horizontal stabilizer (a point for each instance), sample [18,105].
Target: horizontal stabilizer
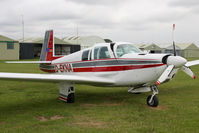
[29,62]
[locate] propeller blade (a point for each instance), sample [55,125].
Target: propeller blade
[165,74]
[174,49]
[192,63]
[188,71]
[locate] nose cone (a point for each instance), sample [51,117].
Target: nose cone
[177,61]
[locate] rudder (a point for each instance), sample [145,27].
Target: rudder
[47,52]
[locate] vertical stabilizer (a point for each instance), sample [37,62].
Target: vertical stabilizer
[47,52]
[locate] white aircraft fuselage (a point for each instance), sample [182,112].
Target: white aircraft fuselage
[131,69]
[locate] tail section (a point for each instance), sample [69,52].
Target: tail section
[47,52]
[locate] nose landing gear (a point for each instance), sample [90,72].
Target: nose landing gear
[152,100]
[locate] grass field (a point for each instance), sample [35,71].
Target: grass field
[28,107]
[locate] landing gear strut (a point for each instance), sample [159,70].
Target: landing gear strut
[152,100]
[66,92]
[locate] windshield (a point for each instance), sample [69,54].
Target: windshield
[126,49]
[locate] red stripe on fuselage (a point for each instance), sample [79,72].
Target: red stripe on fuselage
[108,59]
[107,68]
[114,68]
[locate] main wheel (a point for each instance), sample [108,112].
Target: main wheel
[71,98]
[136,93]
[154,102]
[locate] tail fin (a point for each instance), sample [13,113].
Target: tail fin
[47,52]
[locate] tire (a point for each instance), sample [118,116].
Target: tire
[137,93]
[154,102]
[71,98]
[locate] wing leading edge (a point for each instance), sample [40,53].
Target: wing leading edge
[55,78]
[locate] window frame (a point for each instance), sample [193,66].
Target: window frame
[10,46]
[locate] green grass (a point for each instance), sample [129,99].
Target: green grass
[34,107]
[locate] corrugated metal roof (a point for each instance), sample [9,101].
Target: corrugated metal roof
[31,40]
[4,38]
[186,45]
[169,46]
[144,46]
[181,46]
[84,41]
[41,39]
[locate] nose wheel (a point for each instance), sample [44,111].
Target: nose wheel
[152,100]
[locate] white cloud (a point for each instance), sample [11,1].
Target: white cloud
[127,20]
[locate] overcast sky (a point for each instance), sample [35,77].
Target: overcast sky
[137,21]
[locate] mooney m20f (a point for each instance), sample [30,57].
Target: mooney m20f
[105,64]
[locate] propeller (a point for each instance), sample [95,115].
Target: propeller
[174,47]
[188,71]
[165,74]
[174,62]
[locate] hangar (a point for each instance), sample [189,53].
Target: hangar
[151,48]
[168,48]
[31,47]
[9,48]
[188,50]
[84,41]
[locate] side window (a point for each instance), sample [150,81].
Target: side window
[85,55]
[101,53]
[104,53]
[96,51]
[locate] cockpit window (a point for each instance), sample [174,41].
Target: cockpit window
[126,49]
[101,53]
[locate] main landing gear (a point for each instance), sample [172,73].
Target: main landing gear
[152,100]
[66,92]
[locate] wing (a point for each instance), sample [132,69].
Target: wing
[56,78]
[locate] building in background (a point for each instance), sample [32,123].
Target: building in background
[168,48]
[188,50]
[84,41]
[150,48]
[31,47]
[9,48]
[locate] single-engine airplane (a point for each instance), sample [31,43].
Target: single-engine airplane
[105,64]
